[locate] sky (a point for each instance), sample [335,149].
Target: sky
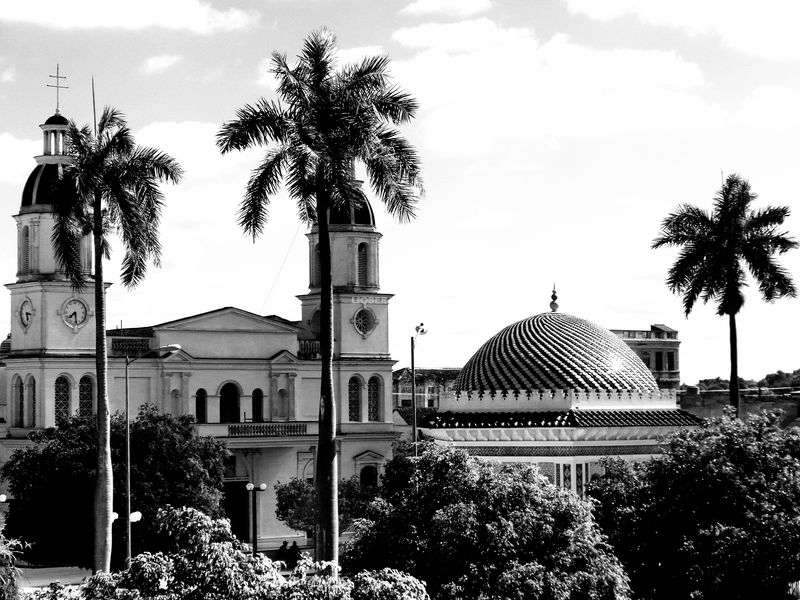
[555,136]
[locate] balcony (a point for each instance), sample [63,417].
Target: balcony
[275,429]
[309,349]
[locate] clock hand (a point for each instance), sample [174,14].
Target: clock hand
[74,317]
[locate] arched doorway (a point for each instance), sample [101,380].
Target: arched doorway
[229,403]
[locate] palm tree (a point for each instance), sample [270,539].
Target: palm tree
[715,249]
[109,186]
[326,119]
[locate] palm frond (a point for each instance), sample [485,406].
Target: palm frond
[396,105]
[686,225]
[766,218]
[255,125]
[264,182]
[68,232]
[318,56]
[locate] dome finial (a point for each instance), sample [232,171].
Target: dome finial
[554,297]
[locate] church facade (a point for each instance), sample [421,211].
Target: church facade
[250,380]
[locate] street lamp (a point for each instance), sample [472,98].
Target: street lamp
[420,330]
[169,349]
[253,489]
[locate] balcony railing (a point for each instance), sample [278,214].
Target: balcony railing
[267,429]
[309,349]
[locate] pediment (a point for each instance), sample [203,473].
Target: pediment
[368,456]
[228,319]
[178,358]
[284,357]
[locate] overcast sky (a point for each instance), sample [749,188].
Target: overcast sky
[555,136]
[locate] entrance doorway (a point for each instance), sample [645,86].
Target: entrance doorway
[237,509]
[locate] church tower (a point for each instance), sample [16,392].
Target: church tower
[49,320]
[360,310]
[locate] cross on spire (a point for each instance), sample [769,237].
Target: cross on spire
[58,85]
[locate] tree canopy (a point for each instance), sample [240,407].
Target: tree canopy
[717,249]
[51,482]
[717,517]
[473,530]
[110,185]
[327,119]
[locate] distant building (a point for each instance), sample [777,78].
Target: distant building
[658,349]
[432,385]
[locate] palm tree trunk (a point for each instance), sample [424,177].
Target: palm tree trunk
[734,384]
[103,498]
[327,539]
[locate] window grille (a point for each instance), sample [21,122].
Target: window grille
[374,399]
[86,396]
[62,392]
[354,399]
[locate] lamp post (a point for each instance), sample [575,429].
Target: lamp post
[420,330]
[169,349]
[253,489]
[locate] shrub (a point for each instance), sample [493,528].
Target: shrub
[475,530]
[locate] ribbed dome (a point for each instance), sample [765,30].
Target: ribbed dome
[554,351]
[40,187]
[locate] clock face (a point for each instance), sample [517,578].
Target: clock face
[74,313]
[26,313]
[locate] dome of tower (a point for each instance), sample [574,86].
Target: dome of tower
[57,119]
[352,214]
[554,351]
[40,188]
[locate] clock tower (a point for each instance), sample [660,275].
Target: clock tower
[52,325]
[47,316]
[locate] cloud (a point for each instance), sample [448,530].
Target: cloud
[766,29]
[481,86]
[158,64]
[457,8]
[195,16]
[8,75]
[16,156]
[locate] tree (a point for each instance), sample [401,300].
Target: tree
[473,530]
[717,517]
[326,120]
[51,482]
[110,184]
[716,247]
[296,502]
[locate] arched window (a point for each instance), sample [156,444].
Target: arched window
[32,402]
[19,402]
[362,264]
[25,251]
[374,399]
[258,406]
[63,392]
[369,477]
[86,396]
[354,399]
[229,403]
[201,406]
[280,407]
[315,323]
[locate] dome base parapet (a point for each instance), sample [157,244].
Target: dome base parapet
[527,400]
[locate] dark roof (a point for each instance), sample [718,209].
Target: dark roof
[554,351]
[664,328]
[406,415]
[352,213]
[57,119]
[130,332]
[41,184]
[282,320]
[666,417]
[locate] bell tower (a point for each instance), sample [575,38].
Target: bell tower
[360,310]
[47,316]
